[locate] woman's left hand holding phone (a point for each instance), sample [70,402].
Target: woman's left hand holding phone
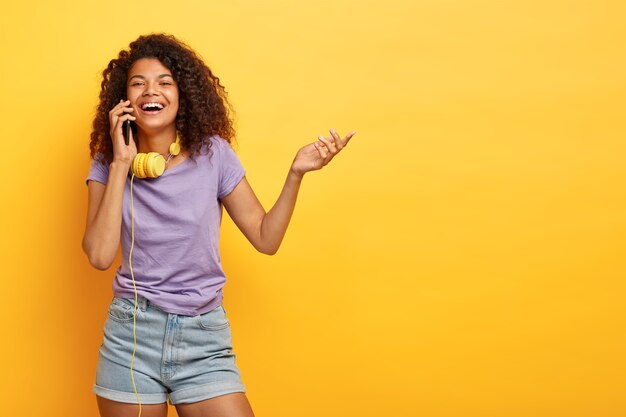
[103,233]
[124,150]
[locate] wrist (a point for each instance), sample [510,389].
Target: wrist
[293,174]
[118,165]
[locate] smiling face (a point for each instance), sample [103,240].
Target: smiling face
[153,93]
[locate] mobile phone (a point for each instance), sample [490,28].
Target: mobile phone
[126,128]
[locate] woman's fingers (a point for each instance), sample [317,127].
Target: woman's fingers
[122,119]
[118,114]
[338,143]
[345,140]
[125,117]
[316,155]
[121,108]
[118,134]
[341,143]
[321,149]
[334,144]
[329,145]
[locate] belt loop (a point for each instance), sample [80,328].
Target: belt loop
[143,301]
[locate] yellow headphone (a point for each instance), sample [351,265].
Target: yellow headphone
[152,164]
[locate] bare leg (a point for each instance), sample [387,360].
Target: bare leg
[229,405]
[109,408]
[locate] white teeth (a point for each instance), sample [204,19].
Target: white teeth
[150,106]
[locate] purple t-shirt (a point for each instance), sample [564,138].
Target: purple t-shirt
[176,258]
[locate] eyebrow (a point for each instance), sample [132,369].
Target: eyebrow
[143,78]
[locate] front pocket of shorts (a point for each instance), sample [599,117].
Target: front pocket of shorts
[214,319]
[121,310]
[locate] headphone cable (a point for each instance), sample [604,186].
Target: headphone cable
[130,262]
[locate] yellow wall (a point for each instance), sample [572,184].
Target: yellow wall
[463,257]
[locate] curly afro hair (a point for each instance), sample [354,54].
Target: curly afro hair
[203,109]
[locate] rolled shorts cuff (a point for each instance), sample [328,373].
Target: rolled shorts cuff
[129,397]
[205,391]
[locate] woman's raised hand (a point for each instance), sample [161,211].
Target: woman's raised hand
[317,154]
[117,116]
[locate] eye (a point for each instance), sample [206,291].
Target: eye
[166,83]
[136,83]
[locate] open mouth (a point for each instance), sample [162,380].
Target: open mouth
[152,108]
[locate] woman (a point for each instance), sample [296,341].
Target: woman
[167,335]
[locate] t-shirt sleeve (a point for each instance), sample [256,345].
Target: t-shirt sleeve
[98,171]
[231,171]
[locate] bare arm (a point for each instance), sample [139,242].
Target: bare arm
[104,218]
[266,230]
[104,211]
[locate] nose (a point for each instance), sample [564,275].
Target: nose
[150,90]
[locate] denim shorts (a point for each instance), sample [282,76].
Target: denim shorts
[183,359]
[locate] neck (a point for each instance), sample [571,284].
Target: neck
[156,142]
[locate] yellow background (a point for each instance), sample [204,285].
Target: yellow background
[462,257]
